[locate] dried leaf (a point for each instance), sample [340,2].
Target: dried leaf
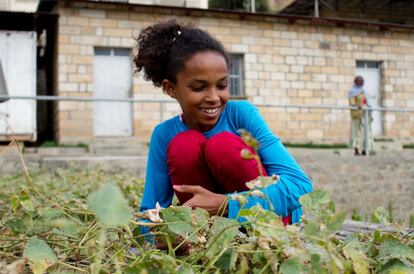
[16,267]
[359,261]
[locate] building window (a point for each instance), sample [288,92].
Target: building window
[367,64]
[236,76]
[100,51]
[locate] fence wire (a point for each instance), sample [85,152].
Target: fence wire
[161,102]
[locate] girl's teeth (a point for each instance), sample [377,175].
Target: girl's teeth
[209,110]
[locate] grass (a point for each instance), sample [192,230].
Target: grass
[312,145]
[55,144]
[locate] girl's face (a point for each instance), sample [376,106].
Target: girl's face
[201,89]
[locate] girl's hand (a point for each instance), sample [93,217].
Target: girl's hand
[203,198]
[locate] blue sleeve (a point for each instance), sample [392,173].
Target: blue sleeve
[157,182]
[293,182]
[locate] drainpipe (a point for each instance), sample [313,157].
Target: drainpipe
[366,130]
[316,8]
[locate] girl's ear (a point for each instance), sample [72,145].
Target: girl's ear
[169,88]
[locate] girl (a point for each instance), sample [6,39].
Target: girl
[196,155]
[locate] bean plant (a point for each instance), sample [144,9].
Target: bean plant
[71,221]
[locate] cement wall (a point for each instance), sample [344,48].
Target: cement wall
[363,183]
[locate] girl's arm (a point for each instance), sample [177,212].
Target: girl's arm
[283,197]
[157,184]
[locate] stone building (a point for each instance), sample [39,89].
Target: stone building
[280,59]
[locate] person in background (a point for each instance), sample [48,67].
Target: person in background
[197,155]
[358,97]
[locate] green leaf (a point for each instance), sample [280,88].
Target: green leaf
[316,264]
[393,249]
[227,261]
[291,266]
[185,268]
[179,221]
[395,266]
[200,217]
[335,222]
[40,255]
[221,234]
[246,154]
[246,212]
[16,225]
[248,139]
[313,201]
[66,227]
[50,213]
[15,202]
[319,251]
[110,206]
[380,215]
[27,205]
[359,261]
[312,230]
[155,263]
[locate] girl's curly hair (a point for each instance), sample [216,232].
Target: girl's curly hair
[163,49]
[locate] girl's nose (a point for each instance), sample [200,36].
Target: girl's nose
[213,95]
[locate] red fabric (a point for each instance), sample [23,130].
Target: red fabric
[214,163]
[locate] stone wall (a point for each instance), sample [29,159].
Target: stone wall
[285,62]
[363,183]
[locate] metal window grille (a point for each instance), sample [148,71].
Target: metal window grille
[112,51]
[367,64]
[236,75]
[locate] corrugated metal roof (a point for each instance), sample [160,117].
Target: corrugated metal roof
[307,7]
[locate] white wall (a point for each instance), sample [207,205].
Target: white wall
[19,5]
[18,59]
[202,4]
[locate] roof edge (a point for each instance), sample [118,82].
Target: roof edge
[243,15]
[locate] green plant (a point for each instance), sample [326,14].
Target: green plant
[312,145]
[411,220]
[67,225]
[55,144]
[355,215]
[84,222]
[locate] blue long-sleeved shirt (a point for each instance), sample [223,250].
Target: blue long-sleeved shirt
[284,195]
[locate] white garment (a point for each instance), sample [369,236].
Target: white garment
[355,90]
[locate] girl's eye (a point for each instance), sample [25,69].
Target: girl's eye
[222,87]
[197,88]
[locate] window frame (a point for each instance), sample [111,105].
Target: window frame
[236,75]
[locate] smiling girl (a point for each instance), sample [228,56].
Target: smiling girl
[196,155]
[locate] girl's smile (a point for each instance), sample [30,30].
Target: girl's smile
[201,89]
